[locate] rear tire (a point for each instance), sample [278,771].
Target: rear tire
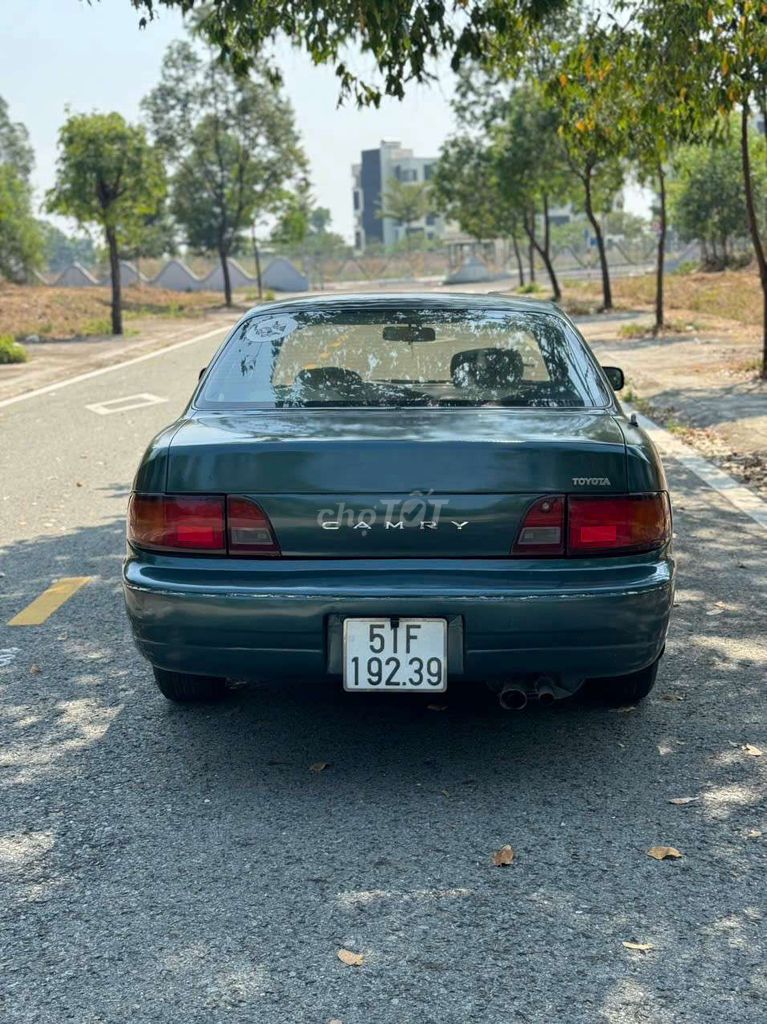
[618,691]
[184,688]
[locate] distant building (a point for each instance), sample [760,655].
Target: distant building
[369,180]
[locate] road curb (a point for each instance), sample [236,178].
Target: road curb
[736,493]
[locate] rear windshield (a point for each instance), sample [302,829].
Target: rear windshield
[374,358]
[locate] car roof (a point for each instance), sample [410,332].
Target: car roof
[410,300]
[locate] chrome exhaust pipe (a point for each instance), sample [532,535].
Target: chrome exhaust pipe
[545,694]
[511,698]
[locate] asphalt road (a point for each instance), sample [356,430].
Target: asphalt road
[163,864]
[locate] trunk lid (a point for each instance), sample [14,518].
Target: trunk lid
[397,483]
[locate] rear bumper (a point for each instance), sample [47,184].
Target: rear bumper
[280,619]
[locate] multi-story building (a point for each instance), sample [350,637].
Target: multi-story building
[369,180]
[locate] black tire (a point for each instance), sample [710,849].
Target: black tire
[618,691]
[185,688]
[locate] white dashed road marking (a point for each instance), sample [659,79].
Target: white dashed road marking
[51,388]
[741,497]
[125,404]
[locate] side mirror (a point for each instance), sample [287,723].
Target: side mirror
[615,375]
[202,371]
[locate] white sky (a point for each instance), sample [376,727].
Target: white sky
[59,53]
[56,54]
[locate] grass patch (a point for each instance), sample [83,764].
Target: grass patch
[11,351]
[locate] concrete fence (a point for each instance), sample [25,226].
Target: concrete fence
[280,275]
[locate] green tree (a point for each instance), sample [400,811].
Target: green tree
[592,128]
[20,235]
[532,165]
[713,54]
[708,201]
[303,228]
[401,36]
[20,238]
[232,143]
[405,202]
[467,189]
[110,176]
[15,147]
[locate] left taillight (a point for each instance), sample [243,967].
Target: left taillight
[249,529]
[207,524]
[162,522]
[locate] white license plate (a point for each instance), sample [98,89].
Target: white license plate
[411,655]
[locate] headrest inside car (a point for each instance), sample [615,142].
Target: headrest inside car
[321,377]
[487,368]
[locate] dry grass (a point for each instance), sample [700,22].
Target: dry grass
[64,313]
[731,294]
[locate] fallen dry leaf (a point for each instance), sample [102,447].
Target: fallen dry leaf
[753,833]
[503,857]
[680,801]
[319,766]
[664,853]
[335,1020]
[625,709]
[671,696]
[642,947]
[35,670]
[436,707]
[350,959]
[752,750]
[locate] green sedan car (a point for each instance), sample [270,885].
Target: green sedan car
[401,492]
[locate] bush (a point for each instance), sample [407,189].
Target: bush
[11,351]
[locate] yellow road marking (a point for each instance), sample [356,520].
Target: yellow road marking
[46,604]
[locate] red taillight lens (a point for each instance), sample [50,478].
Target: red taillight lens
[614,525]
[167,523]
[543,528]
[250,532]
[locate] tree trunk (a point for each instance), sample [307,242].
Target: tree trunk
[546,251]
[542,251]
[753,227]
[531,253]
[660,265]
[114,274]
[607,295]
[257,260]
[227,280]
[520,264]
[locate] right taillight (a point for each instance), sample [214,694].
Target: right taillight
[578,525]
[543,529]
[617,524]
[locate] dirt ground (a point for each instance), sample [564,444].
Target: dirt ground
[700,382]
[61,314]
[730,296]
